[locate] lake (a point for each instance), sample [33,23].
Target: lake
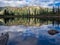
[31,35]
[34,33]
[31,21]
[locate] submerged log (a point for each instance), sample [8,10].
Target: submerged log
[4,39]
[53,32]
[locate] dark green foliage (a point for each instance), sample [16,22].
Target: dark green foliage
[34,11]
[6,12]
[53,10]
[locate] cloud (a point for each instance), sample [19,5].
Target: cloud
[13,3]
[54,4]
[43,3]
[21,3]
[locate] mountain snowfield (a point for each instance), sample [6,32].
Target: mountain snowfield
[31,35]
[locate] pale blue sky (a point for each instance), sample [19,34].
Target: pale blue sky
[21,3]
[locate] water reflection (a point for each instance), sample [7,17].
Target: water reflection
[32,21]
[31,35]
[31,31]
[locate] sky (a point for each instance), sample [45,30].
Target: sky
[22,3]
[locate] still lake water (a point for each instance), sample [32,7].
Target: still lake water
[31,31]
[31,35]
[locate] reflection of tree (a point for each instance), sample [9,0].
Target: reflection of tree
[31,12]
[7,13]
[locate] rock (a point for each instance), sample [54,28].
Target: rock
[53,32]
[4,39]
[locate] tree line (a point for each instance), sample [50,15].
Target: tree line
[46,11]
